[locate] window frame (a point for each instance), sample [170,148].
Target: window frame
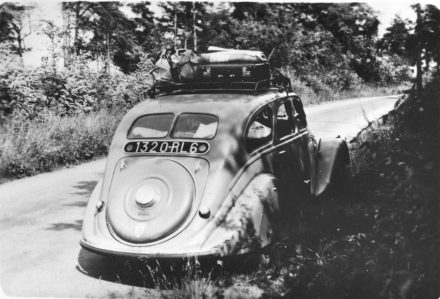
[176,118]
[270,142]
[168,132]
[292,118]
[300,123]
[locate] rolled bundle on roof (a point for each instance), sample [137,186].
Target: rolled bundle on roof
[233,56]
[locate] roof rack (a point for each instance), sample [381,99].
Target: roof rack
[278,80]
[249,86]
[238,70]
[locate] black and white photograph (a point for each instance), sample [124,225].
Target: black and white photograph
[187,149]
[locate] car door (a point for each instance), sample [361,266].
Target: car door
[308,143]
[289,154]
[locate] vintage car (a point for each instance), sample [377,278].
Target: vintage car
[208,173]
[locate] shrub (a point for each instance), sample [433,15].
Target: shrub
[75,89]
[48,141]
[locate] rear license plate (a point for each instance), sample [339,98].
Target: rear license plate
[161,147]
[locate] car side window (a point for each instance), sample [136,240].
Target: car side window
[300,115]
[285,124]
[260,130]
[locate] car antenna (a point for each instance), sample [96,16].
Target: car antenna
[271,53]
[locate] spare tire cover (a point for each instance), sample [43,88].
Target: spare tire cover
[149,199]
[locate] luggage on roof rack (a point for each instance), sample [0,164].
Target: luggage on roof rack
[216,69]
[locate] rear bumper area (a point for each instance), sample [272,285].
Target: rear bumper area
[140,252]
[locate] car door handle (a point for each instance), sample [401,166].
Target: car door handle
[283,152]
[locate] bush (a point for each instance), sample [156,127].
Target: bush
[50,119]
[75,89]
[48,141]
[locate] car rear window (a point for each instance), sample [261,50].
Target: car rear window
[199,126]
[151,126]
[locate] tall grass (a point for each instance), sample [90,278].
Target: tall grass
[28,147]
[364,152]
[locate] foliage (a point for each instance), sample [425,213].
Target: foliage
[13,26]
[415,42]
[103,30]
[146,34]
[72,90]
[395,37]
[181,19]
[306,36]
[28,147]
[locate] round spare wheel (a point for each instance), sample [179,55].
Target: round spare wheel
[149,200]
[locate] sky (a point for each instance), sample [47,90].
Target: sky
[51,10]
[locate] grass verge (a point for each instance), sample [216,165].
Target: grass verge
[28,147]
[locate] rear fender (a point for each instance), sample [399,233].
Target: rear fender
[90,225]
[248,223]
[332,154]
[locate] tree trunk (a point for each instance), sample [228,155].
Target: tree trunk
[194,26]
[67,49]
[53,52]
[20,47]
[75,37]
[175,27]
[107,60]
[419,82]
[427,59]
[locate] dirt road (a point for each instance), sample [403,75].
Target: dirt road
[41,217]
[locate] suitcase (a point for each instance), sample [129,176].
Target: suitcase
[233,72]
[225,68]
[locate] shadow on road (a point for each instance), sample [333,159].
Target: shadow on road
[81,203]
[85,187]
[77,225]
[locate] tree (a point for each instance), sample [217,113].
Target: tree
[250,11]
[145,29]
[431,34]
[74,14]
[354,25]
[15,26]
[182,23]
[103,31]
[422,44]
[54,33]
[395,37]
